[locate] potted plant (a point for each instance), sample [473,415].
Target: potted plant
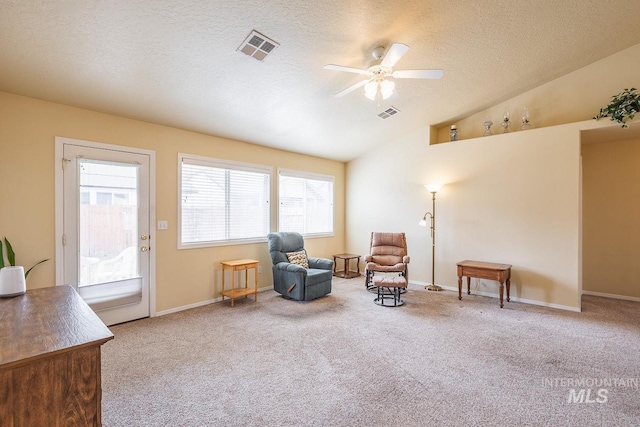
[12,277]
[11,257]
[622,107]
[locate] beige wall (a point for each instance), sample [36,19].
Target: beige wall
[28,128]
[611,230]
[574,97]
[511,198]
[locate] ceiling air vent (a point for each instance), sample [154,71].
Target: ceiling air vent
[257,46]
[388,112]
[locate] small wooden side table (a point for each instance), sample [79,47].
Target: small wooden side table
[239,265]
[347,273]
[484,270]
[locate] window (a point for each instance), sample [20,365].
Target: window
[222,202]
[305,202]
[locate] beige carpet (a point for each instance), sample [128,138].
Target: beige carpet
[343,361]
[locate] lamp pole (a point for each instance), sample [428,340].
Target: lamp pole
[433,189]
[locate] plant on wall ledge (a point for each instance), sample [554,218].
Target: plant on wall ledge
[11,257]
[622,107]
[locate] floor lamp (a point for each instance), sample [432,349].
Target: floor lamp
[433,189]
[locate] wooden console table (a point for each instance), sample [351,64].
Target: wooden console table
[484,270]
[346,273]
[239,265]
[50,359]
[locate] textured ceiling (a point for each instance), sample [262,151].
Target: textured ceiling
[175,62]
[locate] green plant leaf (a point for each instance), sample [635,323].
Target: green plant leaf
[11,255]
[26,273]
[1,256]
[622,107]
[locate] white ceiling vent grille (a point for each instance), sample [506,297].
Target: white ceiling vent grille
[388,112]
[257,46]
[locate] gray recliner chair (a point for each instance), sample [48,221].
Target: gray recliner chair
[293,280]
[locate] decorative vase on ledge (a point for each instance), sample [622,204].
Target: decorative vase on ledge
[526,120]
[505,120]
[487,126]
[453,134]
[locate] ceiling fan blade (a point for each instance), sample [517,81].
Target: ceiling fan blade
[417,74]
[351,88]
[343,68]
[395,52]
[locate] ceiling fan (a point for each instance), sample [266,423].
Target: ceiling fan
[376,86]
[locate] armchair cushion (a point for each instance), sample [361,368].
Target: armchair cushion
[320,263]
[372,266]
[299,258]
[386,259]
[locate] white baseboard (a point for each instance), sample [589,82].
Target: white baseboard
[200,304]
[614,296]
[489,294]
[422,286]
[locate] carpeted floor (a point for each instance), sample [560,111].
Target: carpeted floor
[343,361]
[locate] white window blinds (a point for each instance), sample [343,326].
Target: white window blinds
[222,202]
[305,202]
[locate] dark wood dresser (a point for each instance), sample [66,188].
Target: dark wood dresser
[50,359]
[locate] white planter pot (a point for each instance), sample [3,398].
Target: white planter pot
[12,282]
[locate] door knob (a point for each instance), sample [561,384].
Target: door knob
[144,248]
[144,237]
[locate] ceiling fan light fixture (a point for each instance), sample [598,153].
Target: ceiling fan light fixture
[387,87]
[370,90]
[376,89]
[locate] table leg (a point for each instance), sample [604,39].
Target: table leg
[358,266]
[233,283]
[246,280]
[459,287]
[468,285]
[255,287]
[508,289]
[501,292]
[335,263]
[222,284]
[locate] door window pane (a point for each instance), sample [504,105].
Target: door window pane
[108,232]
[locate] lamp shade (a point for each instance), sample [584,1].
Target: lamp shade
[433,188]
[12,281]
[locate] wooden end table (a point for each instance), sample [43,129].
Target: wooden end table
[484,270]
[346,273]
[239,265]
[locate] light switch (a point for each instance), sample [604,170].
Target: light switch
[162,225]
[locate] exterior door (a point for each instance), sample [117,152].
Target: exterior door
[106,238]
